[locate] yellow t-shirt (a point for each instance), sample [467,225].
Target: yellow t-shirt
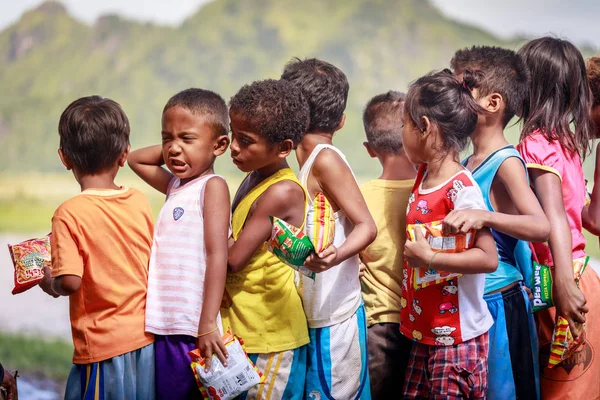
[265,309]
[382,281]
[104,237]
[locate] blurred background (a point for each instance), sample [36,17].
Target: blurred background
[140,53]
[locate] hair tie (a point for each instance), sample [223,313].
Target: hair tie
[464,85]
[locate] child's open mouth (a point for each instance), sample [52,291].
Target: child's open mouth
[177,163]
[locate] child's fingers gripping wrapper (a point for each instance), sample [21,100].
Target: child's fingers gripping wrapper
[563,344]
[29,259]
[224,383]
[439,242]
[292,246]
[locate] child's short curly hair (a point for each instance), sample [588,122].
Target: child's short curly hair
[382,120]
[94,133]
[205,103]
[593,73]
[275,108]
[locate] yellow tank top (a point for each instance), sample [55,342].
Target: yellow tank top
[265,309]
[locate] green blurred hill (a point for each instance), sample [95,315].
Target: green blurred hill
[48,58]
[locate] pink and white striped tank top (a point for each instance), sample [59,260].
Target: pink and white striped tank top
[178,261]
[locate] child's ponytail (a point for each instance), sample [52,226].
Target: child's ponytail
[448,104]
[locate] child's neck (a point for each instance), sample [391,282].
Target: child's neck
[268,170]
[486,140]
[441,169]
[185,181]
[396,168]
[99,181]
[308,144]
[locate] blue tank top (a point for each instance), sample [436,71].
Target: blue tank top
[514,256]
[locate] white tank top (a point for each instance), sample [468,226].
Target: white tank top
[178,261]
[335,294]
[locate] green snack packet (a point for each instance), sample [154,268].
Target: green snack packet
[541,282]
[290,245]
[541,286]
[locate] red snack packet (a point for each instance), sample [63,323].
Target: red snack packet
[29,259]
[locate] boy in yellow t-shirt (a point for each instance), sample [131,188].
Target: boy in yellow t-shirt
[387,199]
[268,119]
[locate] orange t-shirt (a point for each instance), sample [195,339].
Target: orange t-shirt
[105,237]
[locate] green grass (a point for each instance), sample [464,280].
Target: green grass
[51,358]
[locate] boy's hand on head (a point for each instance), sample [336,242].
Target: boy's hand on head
[46,283]
[210,344]
[462,221]
[571,304]
[418,253]
[323,261]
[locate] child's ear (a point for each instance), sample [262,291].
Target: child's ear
[427,127]
[123,157]
[370,150]
[493,102]
[341,124]
[221,145]
[285,148]
[65,160]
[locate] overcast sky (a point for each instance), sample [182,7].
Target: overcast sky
[577,20]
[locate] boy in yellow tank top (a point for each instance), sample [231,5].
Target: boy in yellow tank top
[268,119]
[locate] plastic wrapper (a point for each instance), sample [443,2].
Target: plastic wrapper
[439,242]
[224,383]
[290,245]
[542,281]
[29,259]
[563,344]
[323,223]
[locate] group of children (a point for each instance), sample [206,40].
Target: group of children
[142,295]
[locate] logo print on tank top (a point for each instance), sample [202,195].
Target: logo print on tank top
[177,213]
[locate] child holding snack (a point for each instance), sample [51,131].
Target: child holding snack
[262,305]
[512,213]
[189,252]
[591,212]
[100,248]
[556,135]
[449,320]
[387,199]
[337,360]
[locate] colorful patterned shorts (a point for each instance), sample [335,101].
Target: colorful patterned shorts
[448,372]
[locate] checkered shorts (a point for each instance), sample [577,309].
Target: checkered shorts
[448,372]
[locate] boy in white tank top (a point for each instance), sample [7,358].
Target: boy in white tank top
[337,356]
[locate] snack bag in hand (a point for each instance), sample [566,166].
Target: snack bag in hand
[323,223]
[542,281]
[439,242]
[290,245]
[29,259]
[224,383]
[563,344]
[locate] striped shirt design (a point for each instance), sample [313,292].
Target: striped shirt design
[178,261]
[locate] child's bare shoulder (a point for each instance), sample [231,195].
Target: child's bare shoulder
[285,191]
[328,162]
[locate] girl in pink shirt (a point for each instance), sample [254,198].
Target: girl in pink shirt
[560,98]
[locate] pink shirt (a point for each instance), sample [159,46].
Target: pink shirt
[553,157]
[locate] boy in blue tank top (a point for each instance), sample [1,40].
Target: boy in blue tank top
[513,214]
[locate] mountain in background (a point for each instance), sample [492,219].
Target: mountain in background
[48,59]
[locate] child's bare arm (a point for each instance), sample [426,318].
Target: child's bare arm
[569,300]
[591,213]
[284,200]
[147,164]
[216,234]
[530,224]
[339,185]
[64,285]
[481,258]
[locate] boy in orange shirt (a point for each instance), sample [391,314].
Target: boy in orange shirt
[101,242]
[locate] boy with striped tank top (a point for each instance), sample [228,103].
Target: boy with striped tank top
[188,263]
[337,353]
[268,119]
[513,215]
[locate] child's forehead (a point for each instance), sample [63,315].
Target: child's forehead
[181,116]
